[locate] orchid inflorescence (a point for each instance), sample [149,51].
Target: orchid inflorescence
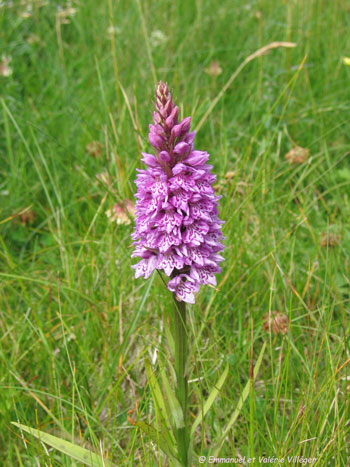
[177,225]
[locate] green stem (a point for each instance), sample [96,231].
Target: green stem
[180,341]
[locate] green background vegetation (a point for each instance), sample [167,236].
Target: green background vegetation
[75,325]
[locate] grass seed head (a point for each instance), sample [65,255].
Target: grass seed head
[277,322]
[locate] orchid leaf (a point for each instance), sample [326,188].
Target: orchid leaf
[240,404]
[159,401]
[159,439]
[174,404]
[209,402]
[72,450]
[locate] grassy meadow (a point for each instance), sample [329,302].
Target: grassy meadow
[76,95]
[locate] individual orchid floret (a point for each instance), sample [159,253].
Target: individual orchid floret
[177,229]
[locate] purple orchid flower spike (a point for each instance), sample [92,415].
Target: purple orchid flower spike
[177,225]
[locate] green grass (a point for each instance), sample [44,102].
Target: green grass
[75,326]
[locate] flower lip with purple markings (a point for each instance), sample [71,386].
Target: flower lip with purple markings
[177,225]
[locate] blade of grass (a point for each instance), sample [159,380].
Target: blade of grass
[40,402]
[257,53]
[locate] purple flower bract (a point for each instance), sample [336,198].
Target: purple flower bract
[177,225]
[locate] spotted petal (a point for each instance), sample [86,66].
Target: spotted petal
[145,267]
[203,275]
[184,288]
